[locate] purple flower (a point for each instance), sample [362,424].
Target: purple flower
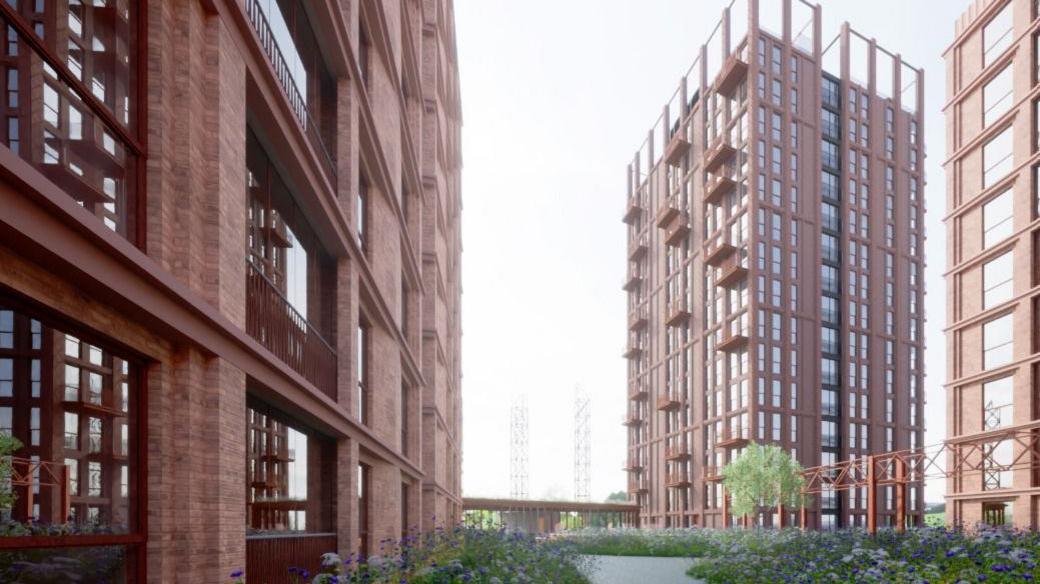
[237,574]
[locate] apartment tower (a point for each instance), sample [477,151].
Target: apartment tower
[993,265]
[229,281]
[775,292]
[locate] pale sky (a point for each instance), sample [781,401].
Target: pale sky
[557,96]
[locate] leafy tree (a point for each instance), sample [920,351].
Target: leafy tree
[617,497]
[8,445]
[763,477]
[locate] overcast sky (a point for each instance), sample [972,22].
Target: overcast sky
[557,96]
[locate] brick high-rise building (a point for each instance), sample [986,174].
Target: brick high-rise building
[229,279]
[993,262]
[775,269]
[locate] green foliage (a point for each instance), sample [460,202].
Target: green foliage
[671,543]
[617,497]
[935,519]
[8,446]
[763,477]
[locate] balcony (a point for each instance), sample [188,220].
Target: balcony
[677,480]
[677,452]
[732,342]
[631,419]
[638,246]
[633,282]
[677,148]
[275,324]
[734,70]
[633,352]
[637,391]
[678,230]
[712,473]
[269,555]
[732,275]
[668,402]
[718,187]
[732,438]
[717,154]
[633,466]
[286,76]
[637,486]
[633,209]
[678,314]
[637,318]
[668,213]
[717,254]
[79,135]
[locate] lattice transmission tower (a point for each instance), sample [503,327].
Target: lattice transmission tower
[582,445]
[518,448]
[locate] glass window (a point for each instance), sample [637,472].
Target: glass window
[997,96]
[829,371]
[997,342]
[829,279]
[997,400]
[997,157]
[362,374]
[997,220]
[996,35]
[997,280]
[830,217]
[830,247]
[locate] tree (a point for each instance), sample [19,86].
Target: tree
[617,497]
[8,445]
[763,477]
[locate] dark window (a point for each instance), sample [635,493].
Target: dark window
[362,372]
[364,502]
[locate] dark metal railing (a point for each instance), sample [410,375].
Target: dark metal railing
[272,320]
[297,103]
[269,556]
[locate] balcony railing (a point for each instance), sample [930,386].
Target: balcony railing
[677,479]
[282,71]
[272,320]
[73,137]
[269,557]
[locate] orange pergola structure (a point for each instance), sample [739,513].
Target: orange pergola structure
[955,459]
[30,473]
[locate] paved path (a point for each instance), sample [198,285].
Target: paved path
[628,570]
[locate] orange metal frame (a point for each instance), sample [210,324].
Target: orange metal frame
[957,458]
[29,473]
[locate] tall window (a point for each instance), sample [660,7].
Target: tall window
[997,342]
[276,466]
[362,372]
[997,220]
[361,212]
[405,425]
[364,484]
[996,35]
[72,404]
[997,280]
[997,403]
[997,157]
[997,96]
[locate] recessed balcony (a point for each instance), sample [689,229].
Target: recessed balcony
[678,314]
[677,452]
[633,466]
[677,148]
[718,187]
[668,402]
[732,342]
[667,214]
[712,473]
[716,255]
[637,486]
[732,275]
[677,480]
[732,438]
[633,209]
[717,155]
[734,70]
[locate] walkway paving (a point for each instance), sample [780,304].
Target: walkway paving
[628,569]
